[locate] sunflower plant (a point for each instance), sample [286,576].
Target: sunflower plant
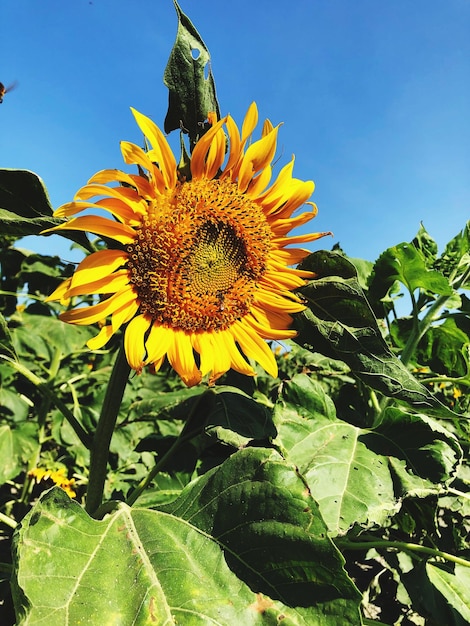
[204,422]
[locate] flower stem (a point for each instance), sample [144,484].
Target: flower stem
[420,327]
[190,430]
[403,546]
[99,451]
[45,389]
[8,521]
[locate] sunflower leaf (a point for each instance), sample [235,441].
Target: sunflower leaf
[408,265]
[24,204]
[25,208]
[454,586]
[190,81]
[360,475]
[340,323]
[243,544]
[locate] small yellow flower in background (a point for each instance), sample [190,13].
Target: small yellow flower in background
[457,393]
[58,477]
[201,272]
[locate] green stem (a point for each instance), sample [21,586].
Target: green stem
[99,451]
[400,545]
[420,328]
[188,432]
[47,392]
[6,568]
[8,521]
[373,622]
[158,467]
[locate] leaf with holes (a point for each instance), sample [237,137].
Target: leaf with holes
[192,94]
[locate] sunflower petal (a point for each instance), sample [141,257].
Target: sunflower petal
[181,357]
[98,312]
[101,339]
[99,226]
[254,347]
[97,266]
[157,343]
[160,148]
[134,341]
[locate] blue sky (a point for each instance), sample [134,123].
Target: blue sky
[374,96]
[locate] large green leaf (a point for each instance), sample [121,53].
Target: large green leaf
[406,264]
[190,82]
[454,586]
[25,208]
[339,322]
[24,204]
[359,476]
[244,531]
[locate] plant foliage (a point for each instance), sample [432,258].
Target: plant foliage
[338,493]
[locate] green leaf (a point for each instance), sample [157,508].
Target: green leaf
[24,204]
[441,349]
[17,445]
[359,476]
[190,82]
[351,483]
[258,508]
[455,260]
[426,245]
[422,455]
[247,526]
[340,323]
[406,264]
[454,586]
[25,208]
[6,344]
[41,336]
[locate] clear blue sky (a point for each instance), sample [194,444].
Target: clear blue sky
[374,96]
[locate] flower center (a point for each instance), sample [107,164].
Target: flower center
[198,255]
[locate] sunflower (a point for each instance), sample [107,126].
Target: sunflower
[199,271]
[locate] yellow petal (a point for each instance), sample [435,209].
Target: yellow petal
[235,147]
[60,291]
[254,347]
[97,266]
[99,226]
[259,183]
[102,338]
[250,121]
[160,148]
[132,154]
[157,343]
[238,363]
[281,241]
[259,155]
[134,341]
[198,157]
[124,314]
[109,284]
[274,302]
[263,330]
[181,357]
[100,311]
[216,155]
[204,346]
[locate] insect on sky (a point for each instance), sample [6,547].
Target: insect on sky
[4,90]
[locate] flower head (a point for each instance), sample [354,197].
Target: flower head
[200,271]
[58,477]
